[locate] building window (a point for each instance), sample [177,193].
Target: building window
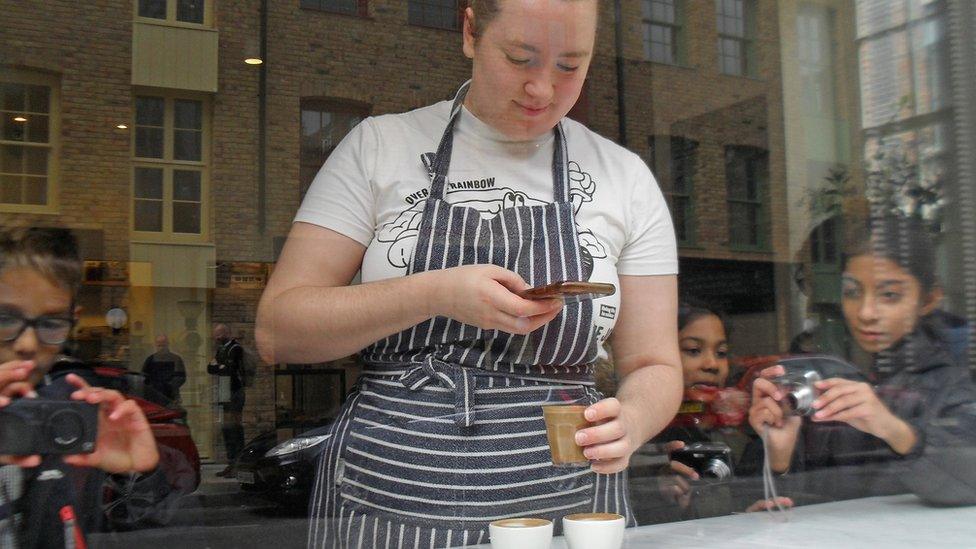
[438,14]
[662,31]
[736,27]
[348,7]
[170,174]
[747,181]
[675,162]
[324,124]
[182,11]
[29,141]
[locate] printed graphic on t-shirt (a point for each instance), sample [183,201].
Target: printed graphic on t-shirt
[400,235]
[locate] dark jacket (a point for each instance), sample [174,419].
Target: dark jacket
[921,383]
[229,360]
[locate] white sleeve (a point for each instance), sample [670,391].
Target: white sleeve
[341,195]
[651,248]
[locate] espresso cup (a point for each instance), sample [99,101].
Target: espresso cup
[520,533]
[562,422]
[594,530]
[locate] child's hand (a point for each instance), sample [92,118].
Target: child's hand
[856,404]
[13,383]
[125,441]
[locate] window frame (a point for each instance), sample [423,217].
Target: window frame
[171,21]
[677,28]
[168,164]
[362,8]
[53,83]
[746,41]
[760,202]
[691,148]
[323,104]
[460,5]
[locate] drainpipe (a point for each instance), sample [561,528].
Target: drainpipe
[262,121]
[621,101]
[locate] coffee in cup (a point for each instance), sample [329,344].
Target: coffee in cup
[594,530]
[562,422]
[520,533]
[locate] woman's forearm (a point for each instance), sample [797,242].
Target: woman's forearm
[653,394]
[317,324]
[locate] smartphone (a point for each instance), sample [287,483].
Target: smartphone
[570,291]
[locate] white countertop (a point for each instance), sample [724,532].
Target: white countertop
[890,522]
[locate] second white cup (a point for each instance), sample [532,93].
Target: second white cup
[520,533]
[594,530]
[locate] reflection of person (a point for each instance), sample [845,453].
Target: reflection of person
[703,342]
[913,431]
[164,369]
[59,499]
[445,432]
[228,362]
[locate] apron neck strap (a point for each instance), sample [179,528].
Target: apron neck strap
[442,160]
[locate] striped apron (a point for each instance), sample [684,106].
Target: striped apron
[444,431]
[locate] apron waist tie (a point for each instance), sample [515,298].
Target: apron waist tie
[457,378]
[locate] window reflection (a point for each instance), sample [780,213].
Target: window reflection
[775,130]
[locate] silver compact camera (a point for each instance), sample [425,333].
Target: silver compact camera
[800,392]
[48,427]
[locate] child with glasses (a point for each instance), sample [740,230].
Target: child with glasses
[50,501]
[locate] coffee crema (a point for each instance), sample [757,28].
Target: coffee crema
[520,523]
[593,516]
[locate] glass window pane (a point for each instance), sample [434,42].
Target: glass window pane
[11,159]
[148,215]
[187,144]
[12,129]
[152,8]
[190,11]
[350,7]
[35,190]
[148,183]
[13,97]
[680,205]
[149,142]
[186,185]
[38,99]
[150,111]
[188,114]
[37,128]
[10,189]
[186,217]
[36,160]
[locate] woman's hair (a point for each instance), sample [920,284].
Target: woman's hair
[51,252]
[485,12]
[904,240]
[690,310]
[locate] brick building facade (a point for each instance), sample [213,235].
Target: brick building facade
[371,62]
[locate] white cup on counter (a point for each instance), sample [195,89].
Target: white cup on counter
[520,533]
[594,530]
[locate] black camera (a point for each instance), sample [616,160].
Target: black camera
[800,391]
[31,426]
[711,460]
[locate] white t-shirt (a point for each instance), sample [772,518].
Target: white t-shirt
[373,185]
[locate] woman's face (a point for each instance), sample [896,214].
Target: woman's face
[529,63]
[704,352]
[882,302]
[27,293]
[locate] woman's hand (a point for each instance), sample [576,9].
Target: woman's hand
[856,404]
[14,382]
[125,441]
[770,504]
[766,410]
[486,296]
[610,443]
[673,483]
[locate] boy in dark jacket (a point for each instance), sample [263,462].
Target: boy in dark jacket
[50,501]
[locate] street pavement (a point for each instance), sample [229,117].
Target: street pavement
[218,515]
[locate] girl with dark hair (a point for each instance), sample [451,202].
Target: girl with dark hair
[912,429]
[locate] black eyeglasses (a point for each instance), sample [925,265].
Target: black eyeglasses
[50,330]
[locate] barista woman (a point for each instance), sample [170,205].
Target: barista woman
[449,211]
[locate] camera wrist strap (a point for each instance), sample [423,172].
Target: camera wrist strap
[769,484]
